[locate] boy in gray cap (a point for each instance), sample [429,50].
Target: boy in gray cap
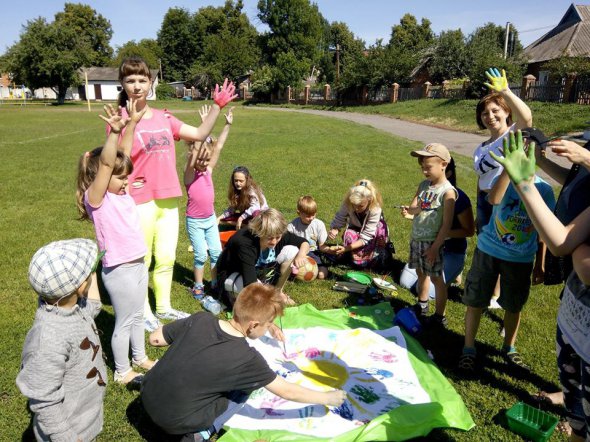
[63,372]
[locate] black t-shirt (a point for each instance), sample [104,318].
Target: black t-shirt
[458,245]
[186,390]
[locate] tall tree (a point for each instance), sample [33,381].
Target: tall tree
[449,57]
[177,38]
[50,54]
[147,48]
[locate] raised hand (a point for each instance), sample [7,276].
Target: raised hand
[570,150]
[224,95]
[229,117]
[204,111]
[134,114]
[519,165]
[497,82]
[114,119]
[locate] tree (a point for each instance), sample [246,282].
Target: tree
[178,42]
[51,54]
[449,57]
[148,49]
[350,56]
[563,66]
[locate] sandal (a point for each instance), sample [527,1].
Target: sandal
[466,363]
[127,377]
[146,363]
[515,359]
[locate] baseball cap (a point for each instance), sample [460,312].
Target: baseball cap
[59,268]
[433,150]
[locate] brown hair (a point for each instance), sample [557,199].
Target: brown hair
[496,98]
[87,170]
[240,200]
[132,66]
[258,302]
[307,205]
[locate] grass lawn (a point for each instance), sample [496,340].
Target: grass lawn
[289,155]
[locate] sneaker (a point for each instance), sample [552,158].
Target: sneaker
[494,304]
[198,292]
[467,363]
[172,315]
[151,324]
[126,377]
[436,320]
[421,311]
[514,359]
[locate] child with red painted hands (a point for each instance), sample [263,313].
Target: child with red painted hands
[433,208]
[102,198]
[573,328]
[201,222]
[154,183]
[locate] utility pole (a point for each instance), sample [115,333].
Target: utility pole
[337,63]
[506,39]
[161,75]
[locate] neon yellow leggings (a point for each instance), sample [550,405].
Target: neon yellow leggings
[159,221]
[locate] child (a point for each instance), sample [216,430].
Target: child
[201,222]
[307,226]
[506,247]
[245,199]
[154,184]
[103,198]
[433,207]
[366,236]
[573,328]
[62,371]
[210,370]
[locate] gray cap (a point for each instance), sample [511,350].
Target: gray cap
[59,268]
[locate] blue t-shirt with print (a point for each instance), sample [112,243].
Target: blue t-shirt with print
[510,235]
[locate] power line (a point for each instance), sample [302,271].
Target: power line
[535,29]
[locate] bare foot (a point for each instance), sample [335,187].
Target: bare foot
[146,364]
[287,299]
[555,398]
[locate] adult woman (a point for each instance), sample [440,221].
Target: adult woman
[264,251]
[154,183]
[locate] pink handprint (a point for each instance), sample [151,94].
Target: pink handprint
[225,94]
[384,356]
[312,353]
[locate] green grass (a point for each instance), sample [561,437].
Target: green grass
[289,155]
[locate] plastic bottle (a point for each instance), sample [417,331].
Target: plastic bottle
[211,304]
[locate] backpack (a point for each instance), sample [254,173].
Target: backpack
[377,252]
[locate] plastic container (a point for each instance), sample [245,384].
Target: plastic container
[530,422]
[407,318]
[225,236]
[211,304]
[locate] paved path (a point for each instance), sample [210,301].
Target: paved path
[457,142]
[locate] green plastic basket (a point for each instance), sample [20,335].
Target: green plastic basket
[531,422]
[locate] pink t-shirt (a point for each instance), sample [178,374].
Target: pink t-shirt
[153,155]
[118,231]
[201,195]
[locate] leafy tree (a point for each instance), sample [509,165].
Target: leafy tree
[148,49]
[351,58]
[563,66]
[178,42]
[51,54]
[449,57]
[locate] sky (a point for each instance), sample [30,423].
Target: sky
[369,19]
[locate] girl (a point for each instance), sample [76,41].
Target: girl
[102,197]
[264,252]
[366,236]
[201,223]
[455,247]
[245,199]
[154,184]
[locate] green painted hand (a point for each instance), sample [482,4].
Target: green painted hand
[498,82]
[519,164]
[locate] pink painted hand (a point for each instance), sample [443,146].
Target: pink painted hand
[224,95]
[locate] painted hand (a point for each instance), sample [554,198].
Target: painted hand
[498,82]
[204,111]
[519,165]
[224,95]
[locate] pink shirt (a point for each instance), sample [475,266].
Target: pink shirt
[153,155]
[118,231]
[201,196]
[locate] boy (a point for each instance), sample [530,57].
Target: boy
[209,371]
[506,247]
[433,207]
[63,372]
[307,226]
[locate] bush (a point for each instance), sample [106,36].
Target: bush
[165,92]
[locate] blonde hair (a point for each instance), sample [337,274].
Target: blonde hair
[363,190]
[307,205]
[268,223]
[258,302]
[88,168]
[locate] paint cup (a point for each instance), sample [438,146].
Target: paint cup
[406,318]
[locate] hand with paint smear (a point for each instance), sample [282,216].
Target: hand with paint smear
[276,333]
[224,95]
[497,82]
[519,165]
[335,398]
